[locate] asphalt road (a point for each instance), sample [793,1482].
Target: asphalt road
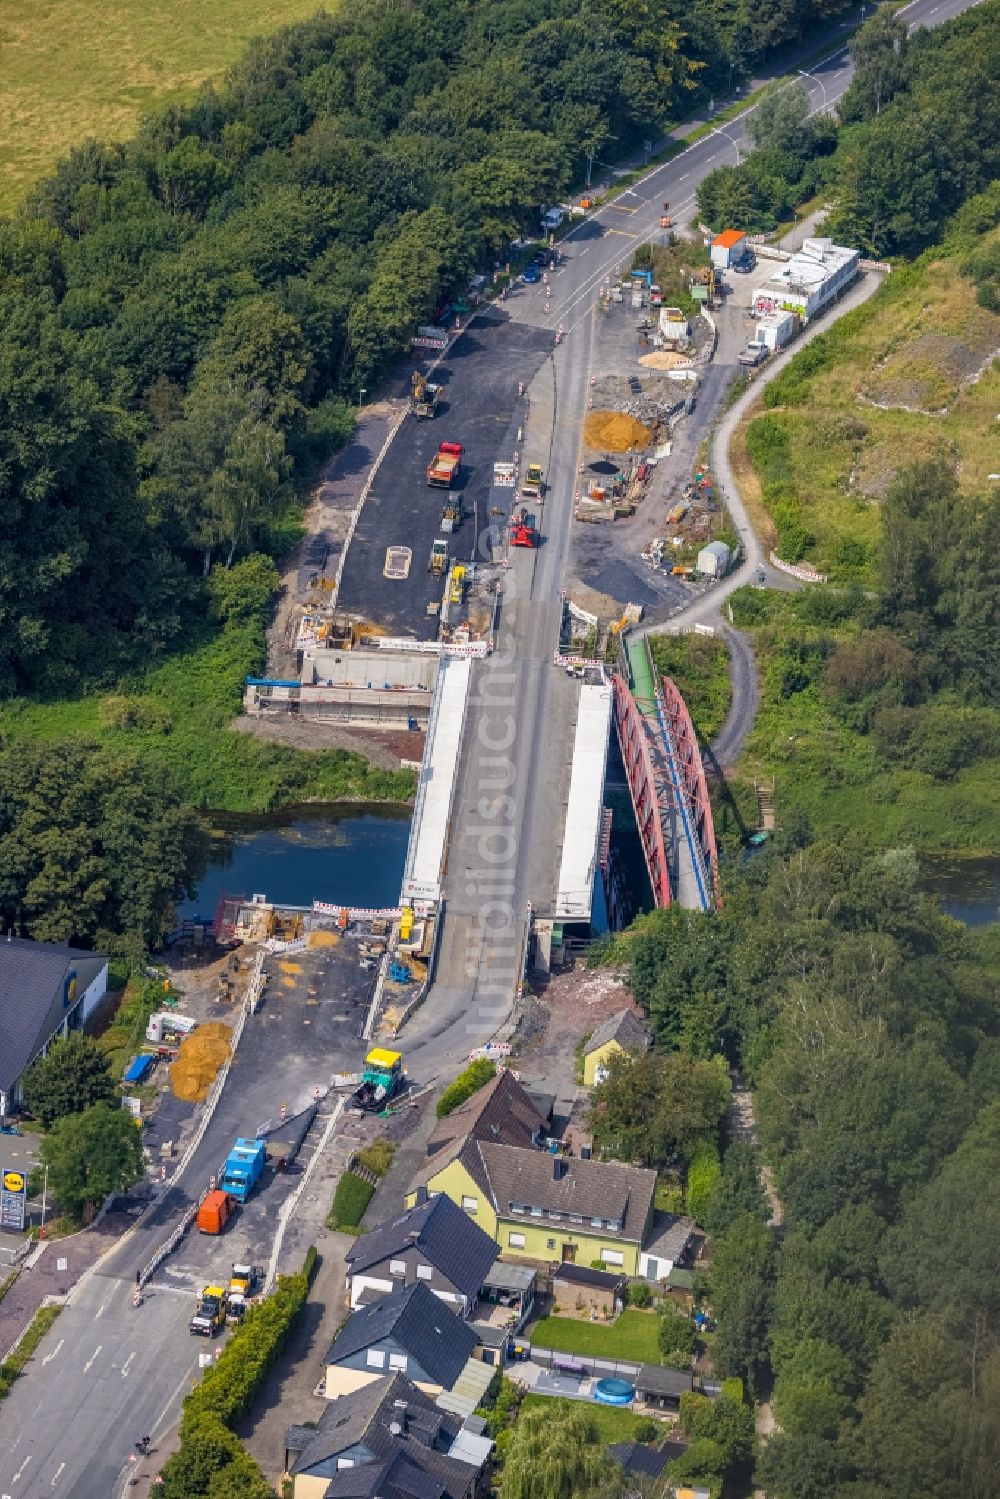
[107,1374]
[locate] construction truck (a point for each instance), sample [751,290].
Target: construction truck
[457,588]
[210,1317]
[444,467]
[523,532]
[243,1168]
[382,1080]
[437,562]
[243,1285]
[451,514]
[533,487]
[424,395]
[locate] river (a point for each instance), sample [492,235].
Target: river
[968,889]
[347,854]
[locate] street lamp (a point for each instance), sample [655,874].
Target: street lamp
[45,1194]
[361,396]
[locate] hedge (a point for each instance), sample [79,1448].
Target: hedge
[703,1175]
[37,1328]
[474,1077]
[350,1202]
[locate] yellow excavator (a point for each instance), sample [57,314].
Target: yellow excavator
[424,395]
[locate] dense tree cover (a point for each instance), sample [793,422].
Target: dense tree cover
[558,1457]
[870,1031]
[917,138]
[90,1155]
[648,1109]
[95,846]
[69,1079]
[185,316]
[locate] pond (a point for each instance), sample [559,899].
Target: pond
[347,854]
[968,889]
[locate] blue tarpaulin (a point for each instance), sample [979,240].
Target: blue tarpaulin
[139,1069]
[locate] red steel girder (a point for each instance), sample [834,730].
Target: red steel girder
[693,772]
[644,786]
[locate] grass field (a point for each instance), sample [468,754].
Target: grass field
[69,70]
[614,1423]
[905,377]
[631,1336]
[699,664]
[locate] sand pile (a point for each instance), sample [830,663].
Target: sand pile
[664,359]
[198,1060]
[322,938]
[614,432]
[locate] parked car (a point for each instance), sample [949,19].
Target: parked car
[746,265]
[531,275]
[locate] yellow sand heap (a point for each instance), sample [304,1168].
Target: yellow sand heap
[664,359]
[614,432]
[198,1060]
[322,938]
[287,967]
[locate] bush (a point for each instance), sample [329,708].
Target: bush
[377,1157]
[675,1336]
[703,1175]
[646,1430]
[70,1078]
[350,1202]
[474,1077]
[640,1295]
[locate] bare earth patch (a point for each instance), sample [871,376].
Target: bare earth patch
[383,747]
[927,374]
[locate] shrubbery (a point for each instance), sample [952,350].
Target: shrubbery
[474,1077]
[350,1202]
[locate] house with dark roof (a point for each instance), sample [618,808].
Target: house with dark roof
[393,1434]
[501,1112]
[551,1208]
[435,1243]
[622,1033]
[411,1332]
[47,989]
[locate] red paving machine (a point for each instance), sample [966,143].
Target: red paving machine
[523,532]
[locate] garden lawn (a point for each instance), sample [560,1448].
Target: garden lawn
[72,70]
[614,1422]
[631,1336]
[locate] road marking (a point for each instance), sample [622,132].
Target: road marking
[126,1364]
[55,1476]
[621,208]
[21,1469]
[623,232]
[583,251]
[92,1357]
[50,1356]
[684,178]
[100,1311]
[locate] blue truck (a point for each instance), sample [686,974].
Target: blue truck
[243,1168]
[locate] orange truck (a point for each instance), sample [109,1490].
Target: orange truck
[215,1212]
[443,469]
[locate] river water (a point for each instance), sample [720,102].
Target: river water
[346,854]
[968,889]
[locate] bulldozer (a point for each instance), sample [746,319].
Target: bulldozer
[424,395]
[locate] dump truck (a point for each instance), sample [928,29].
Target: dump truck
[243,1168]
[443,469]
[243,1285]
[382,1080]
[424,395]
[210,1317]
[457,587]
[437,562]
[451,514]
[523,532]
[533,487]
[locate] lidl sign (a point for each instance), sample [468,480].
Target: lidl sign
[13,1198]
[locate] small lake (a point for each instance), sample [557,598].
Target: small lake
[968,889]
[351,855]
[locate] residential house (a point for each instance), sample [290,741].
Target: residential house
[668,1246]
[407,1447]
[410,1332]
[621,1033]
[433,1242]
[47,989]
[550,1208]
[501,1112]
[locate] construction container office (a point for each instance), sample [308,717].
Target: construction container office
[810,280]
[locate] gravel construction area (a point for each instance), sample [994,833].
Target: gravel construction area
[385,748]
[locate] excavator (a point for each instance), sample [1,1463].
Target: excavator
[424,395]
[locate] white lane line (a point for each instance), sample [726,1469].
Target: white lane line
[100,1311]
[583,251]
[55,1476]
[21,1469]
[684,178]
[50,1356]
[92,1357]
[126,1364]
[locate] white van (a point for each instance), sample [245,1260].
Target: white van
[552,219]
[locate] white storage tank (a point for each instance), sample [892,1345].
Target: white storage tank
[713,559]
